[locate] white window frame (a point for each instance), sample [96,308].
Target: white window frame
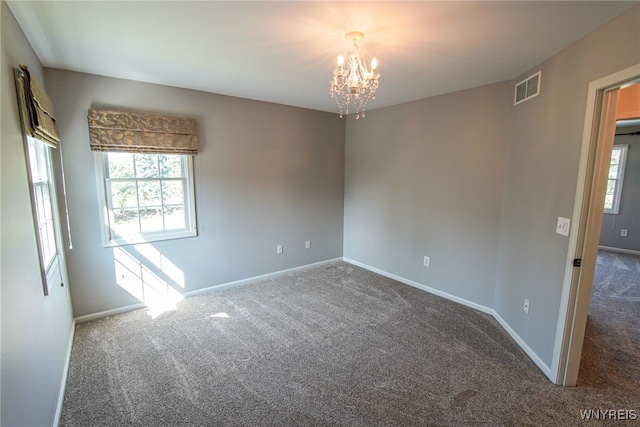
[615,209]
[111,239]
[41,180]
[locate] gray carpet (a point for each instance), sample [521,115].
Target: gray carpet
[334,345]
[611,349]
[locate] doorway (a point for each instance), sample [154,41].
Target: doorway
[611,348]
[598,137]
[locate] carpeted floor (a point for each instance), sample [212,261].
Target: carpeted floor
[334,345]
[611,349]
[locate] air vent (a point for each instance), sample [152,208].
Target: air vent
[528,88]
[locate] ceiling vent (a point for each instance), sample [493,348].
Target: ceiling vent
[528,88]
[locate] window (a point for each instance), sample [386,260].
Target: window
[616,175]
[40,136]
[44,209]
[146,197]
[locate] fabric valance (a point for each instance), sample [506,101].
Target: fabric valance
[36,109]
[142,133]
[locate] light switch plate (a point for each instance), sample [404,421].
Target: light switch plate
[563,226]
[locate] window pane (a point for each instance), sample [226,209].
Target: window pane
[151,219]
[615,156]
[608,201]
[613,171]
[45,246]
[174,218]
[38,161]
[146,165]
[123,194]
[125,221]
[47,216]
[44,219]
[48,243]
[172,193]
[120,165]
[149,193]
[170,166]
[33,162]
[611,186]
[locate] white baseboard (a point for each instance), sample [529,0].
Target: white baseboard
[532,354]
[119,310]
[524,346]
[65,373]
[624,251]
[426,288]
[256,278]
[106,313]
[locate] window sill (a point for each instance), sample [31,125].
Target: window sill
[148,238]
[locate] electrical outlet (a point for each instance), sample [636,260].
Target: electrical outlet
[623,232]
[526,306]
[426,261]
[279,249]
[307,244]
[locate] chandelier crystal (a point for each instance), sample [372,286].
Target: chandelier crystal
[353,83]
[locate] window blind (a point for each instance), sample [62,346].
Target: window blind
[36,109]
[142,133]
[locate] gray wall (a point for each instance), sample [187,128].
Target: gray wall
[265,175]
[427,178]
[36,329]
[544,154]
[629,215]
[477,184]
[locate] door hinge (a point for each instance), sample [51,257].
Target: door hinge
[577,262]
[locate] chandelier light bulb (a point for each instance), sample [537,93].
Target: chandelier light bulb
[353,84]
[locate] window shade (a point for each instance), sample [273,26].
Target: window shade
[36,109]
[142,133]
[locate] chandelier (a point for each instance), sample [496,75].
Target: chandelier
[353,84]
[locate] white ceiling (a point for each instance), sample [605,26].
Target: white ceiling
[284,52]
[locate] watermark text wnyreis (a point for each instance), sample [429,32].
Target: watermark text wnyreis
[609,414]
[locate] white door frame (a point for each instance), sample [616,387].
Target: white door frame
[576,294]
